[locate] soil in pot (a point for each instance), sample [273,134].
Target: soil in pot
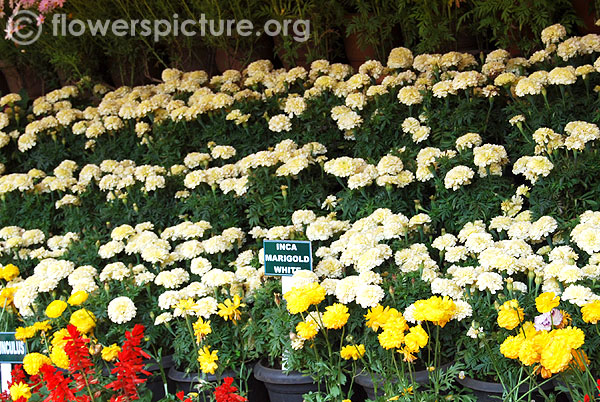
[284,387]
[185,382]
[492,391]
[365,380]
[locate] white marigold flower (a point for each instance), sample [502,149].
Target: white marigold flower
[553,34]
[533,167]
[490,281]
[369,295]
[110,249]
[163,318]
[562,76]
[279,123]
[458,176]
[400,57]
[172,279]
[410,95]
[121,310]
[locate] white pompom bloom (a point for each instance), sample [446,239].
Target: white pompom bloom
[121,310]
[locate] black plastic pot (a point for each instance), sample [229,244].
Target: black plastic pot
[187,382]
[492,391]
[365,380]
[155,382]
[284,387]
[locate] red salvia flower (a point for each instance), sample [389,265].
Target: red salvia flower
[226,393]
[80,363]
[180,396]
[57,385]
[130,363]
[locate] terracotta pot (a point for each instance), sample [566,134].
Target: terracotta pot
[582,9]
[289,61]
[228,59]
[142,70]
[492,391]
[355,54]
[22,77]
[11,75]
[3,85]
[192,56]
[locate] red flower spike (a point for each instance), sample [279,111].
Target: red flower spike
[180,396]
[129,365]
[226,393]
[57,385]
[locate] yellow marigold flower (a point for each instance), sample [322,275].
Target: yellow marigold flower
[569,337]
[416,338]
[335,316]
[546,302]
[555,357]
[58,338]
[201,329]
[33,361]
[230,309]
[392,336]
[409,355]
[510,347]
[353,352]
[42,326]
[7,296]
[528,353]
[84,320]
[390,339]
[208,360]
[307,330]
[378,315]
[78,298]
[56,308]
[591,312]
[301,298]
[541,340]
[510,314]
[9,272]
[528,328]
[59,357]
[110,353]
[19,390]
[24,333]
[438,310]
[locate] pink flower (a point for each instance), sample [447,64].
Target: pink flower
[545,322]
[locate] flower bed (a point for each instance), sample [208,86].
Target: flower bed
[449,206]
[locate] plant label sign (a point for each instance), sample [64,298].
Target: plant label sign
[284,257]
[12,351]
